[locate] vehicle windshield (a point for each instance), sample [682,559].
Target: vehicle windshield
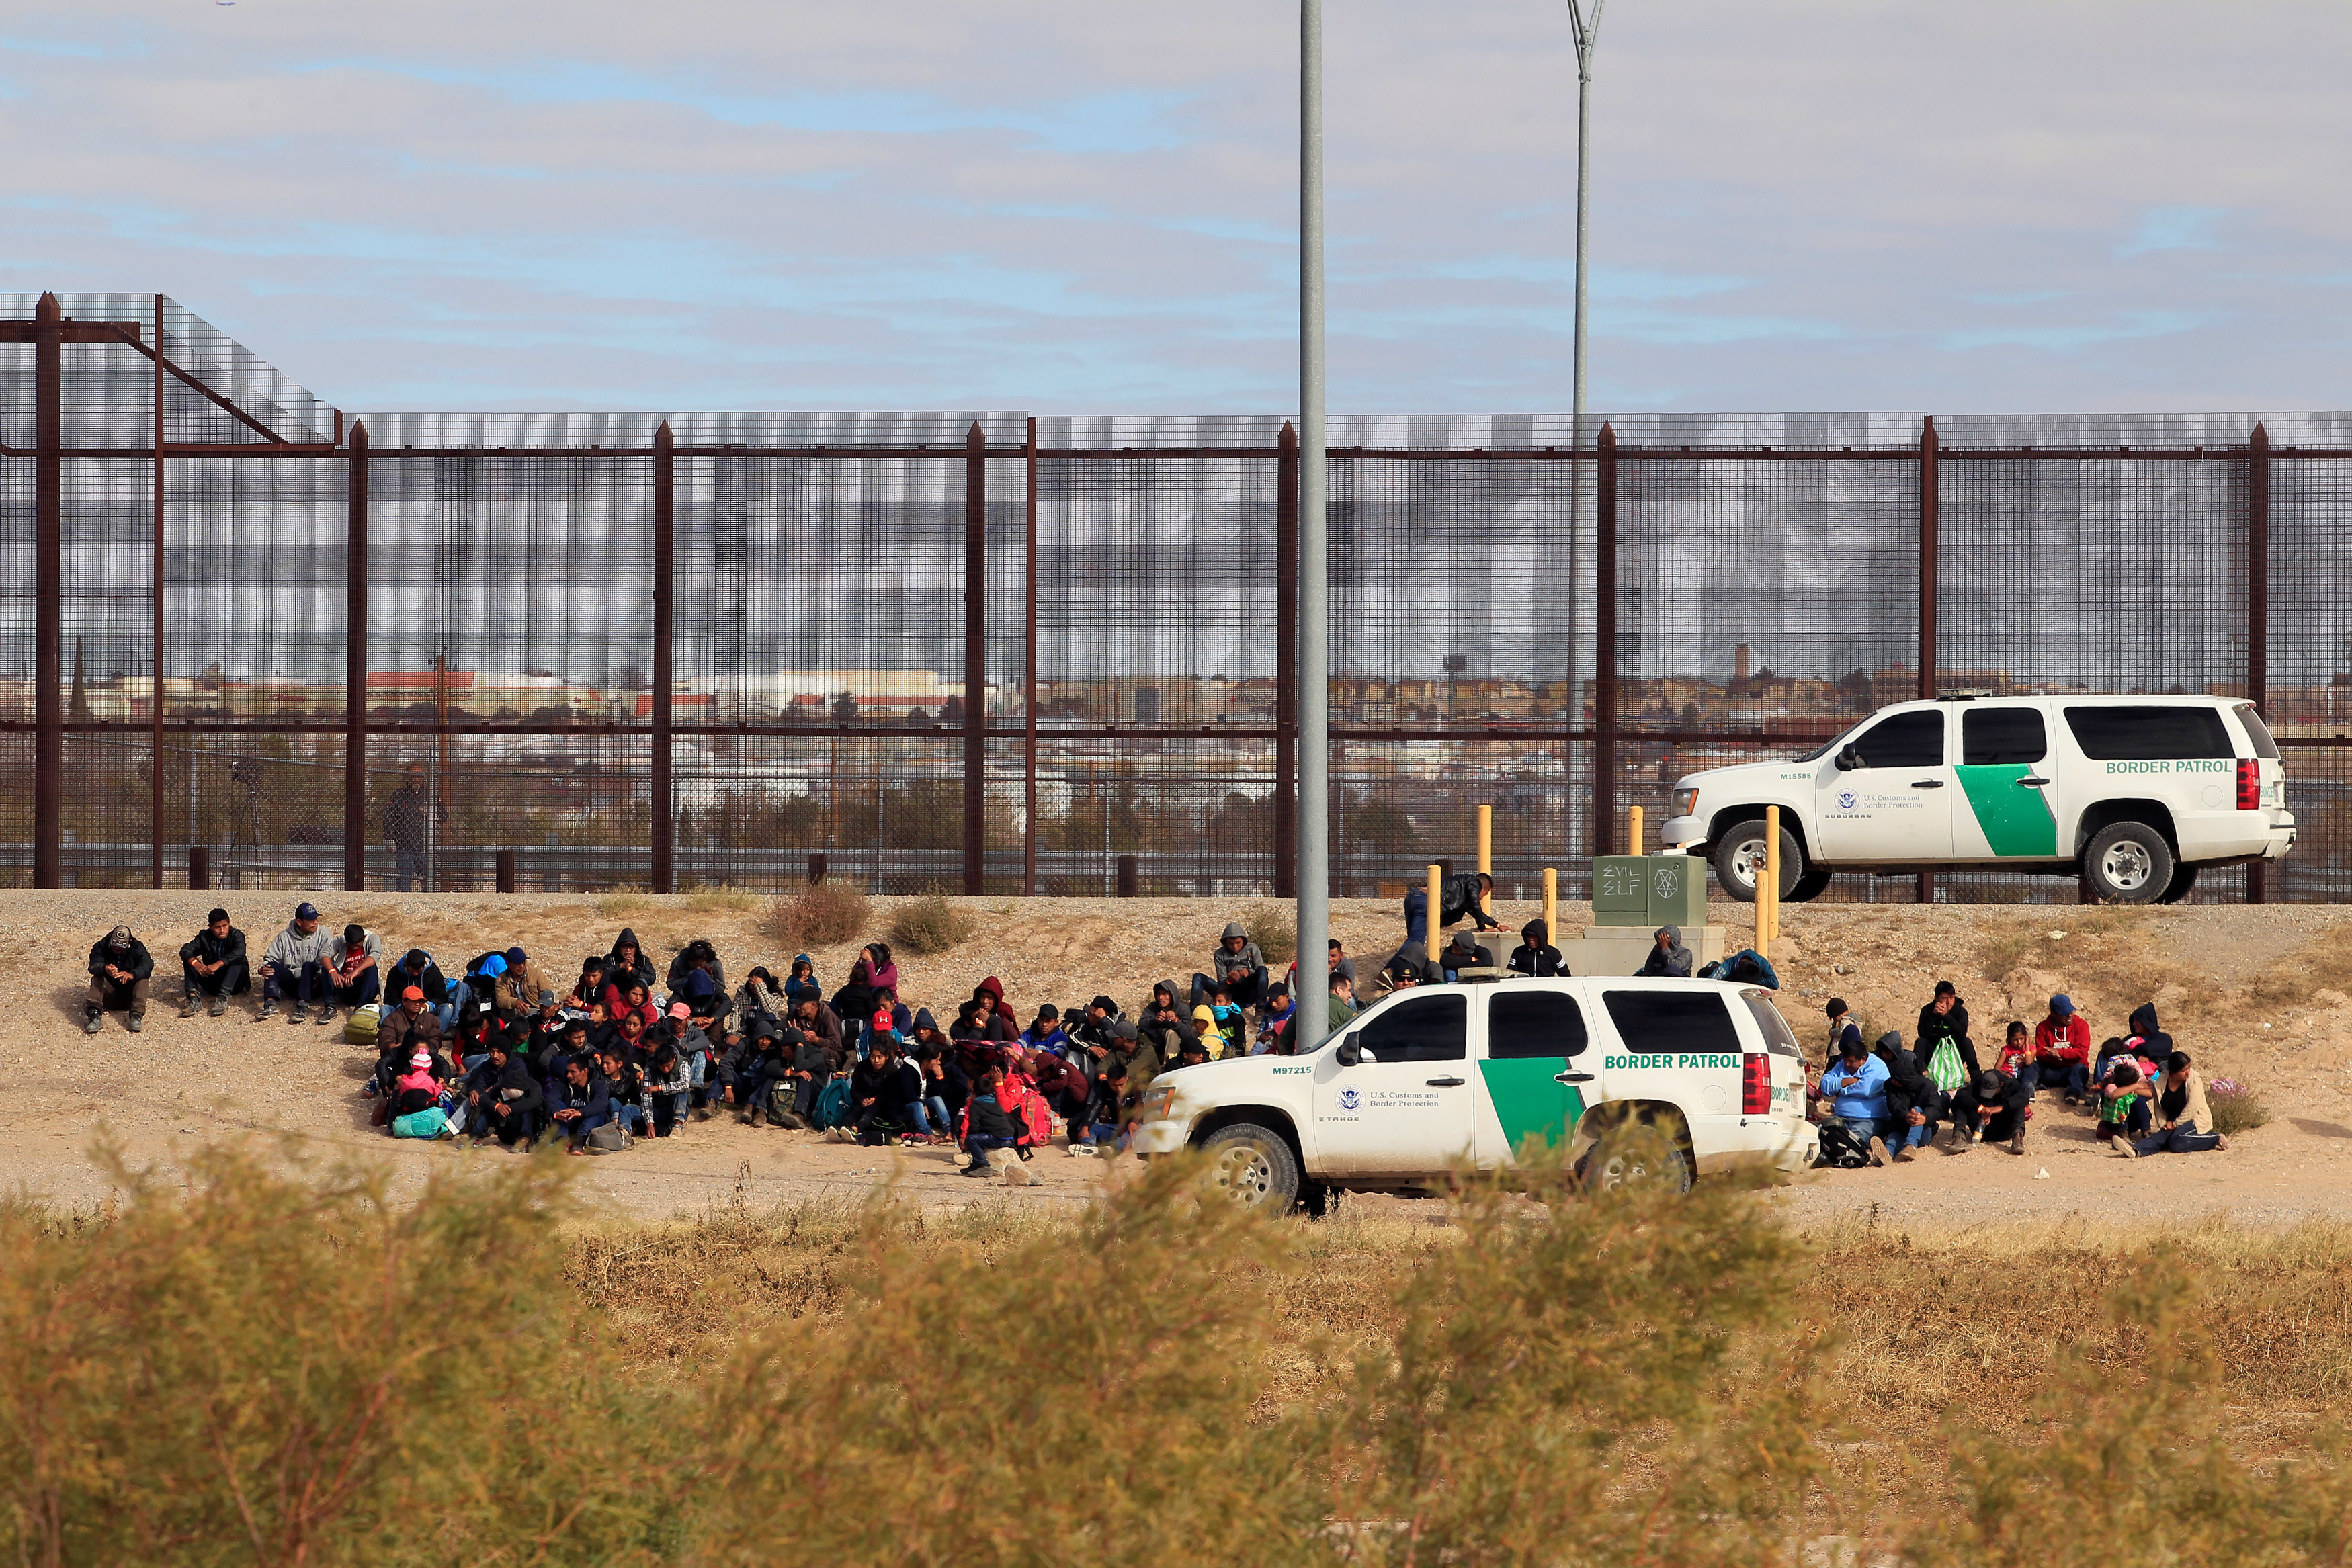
[1834,742]
[1778,1037]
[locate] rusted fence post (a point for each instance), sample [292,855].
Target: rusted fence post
[1605,647]
[200,869]
[975,661]
[1029,683]
[506,871]
[2258,608]
[49,583]
[817,869]
[355,661]
[1286,665]
[155,717]
[1930,518]
[1128,876]
[665,520]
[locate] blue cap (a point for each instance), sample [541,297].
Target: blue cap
[306,912]
[516,955]
[2062,1004]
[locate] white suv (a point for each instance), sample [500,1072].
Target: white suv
[2133,793]
[1436,1075]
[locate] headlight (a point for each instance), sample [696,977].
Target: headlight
[1158,1103]
[1686,802]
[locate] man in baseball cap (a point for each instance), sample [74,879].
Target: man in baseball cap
[2061,1050]
[296,965]
[514,993]
[119,970]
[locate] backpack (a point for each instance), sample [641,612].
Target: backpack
[1840,1149]
[360,1030]
[607,1138]
[833,1104]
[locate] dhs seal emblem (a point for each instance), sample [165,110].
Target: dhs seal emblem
[1351,1100]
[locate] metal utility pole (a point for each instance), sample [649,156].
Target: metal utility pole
[1314,552]
[1585,31]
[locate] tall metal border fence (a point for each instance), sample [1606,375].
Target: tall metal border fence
[991,652]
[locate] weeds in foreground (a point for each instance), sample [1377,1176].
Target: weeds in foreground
[824,916]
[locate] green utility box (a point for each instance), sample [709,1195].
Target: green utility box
[1649,891]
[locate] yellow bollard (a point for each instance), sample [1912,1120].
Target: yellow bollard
[1486,854]
[1436,905]
[1768,886]
[1551,904]
[1633,829]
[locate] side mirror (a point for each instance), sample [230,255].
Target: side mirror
[1848,761]
[1348,1053]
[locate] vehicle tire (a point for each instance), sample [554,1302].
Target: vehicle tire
[2184,880]
[2128,863]
[1253,1166]
[1610,1164]
[1740,861]
[1810,886]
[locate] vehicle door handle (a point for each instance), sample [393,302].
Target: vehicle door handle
[1447,1083]
[1926,783]
[2031,782]
[1571,1078]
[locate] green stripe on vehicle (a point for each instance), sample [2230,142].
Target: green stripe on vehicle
[1530,1101]
[2015,817]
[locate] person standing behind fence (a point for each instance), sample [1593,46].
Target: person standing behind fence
[404,830]
[211,964]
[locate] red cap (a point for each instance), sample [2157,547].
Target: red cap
[412,995]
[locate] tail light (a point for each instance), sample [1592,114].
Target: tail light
[1755,1085]
[2249,784]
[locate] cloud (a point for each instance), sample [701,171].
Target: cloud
[1047,205]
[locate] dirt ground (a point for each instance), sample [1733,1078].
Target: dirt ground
[2251,992]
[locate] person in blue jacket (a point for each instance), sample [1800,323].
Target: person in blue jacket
[1855,1087]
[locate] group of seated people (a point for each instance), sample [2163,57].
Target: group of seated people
[2146,1095]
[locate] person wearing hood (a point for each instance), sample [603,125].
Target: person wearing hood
[627,962]
[1842,1028]
[417,969]
[1000,1021]
[212,965]
[1669,959]
[502,1100]
[2147,1038]
[1063,1086]
[1535,956]
[1407,966]
[1916,1105]
[1209,1030]
[1462,953]
[120,974]
[802,981]
[1237,965]
[760,997]
[925,1033]
[1163,1026]
[296,965]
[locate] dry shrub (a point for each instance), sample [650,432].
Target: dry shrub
[931,924]
[620,906]
[825,915]
[2288,985]
[1275,928]
[278,1371]
[2003,953]
[2235,1109]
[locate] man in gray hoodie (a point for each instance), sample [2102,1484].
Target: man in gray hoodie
[1237,965]
[296,965]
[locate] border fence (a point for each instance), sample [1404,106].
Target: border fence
[995,652]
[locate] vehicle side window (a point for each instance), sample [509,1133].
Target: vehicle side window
[1420,1029]
[1994,736]
[1672,1021]
[1904,741]
[2149,734]
[1522,1024]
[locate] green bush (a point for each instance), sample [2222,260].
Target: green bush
[931,924]
[1275,928]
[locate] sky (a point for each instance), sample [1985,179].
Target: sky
[1071,207]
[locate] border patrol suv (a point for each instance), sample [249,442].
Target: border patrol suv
[1438,1074]
[2134,793]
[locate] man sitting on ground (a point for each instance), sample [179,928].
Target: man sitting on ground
[417,969]
[503,1100]
[583,1103]
[516,990]
[354,977]
[296,965]
[119,971]
[1237,965]
[212,965]
[2061,1050]
[1856,1088]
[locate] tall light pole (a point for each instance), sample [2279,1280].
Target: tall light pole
[1586,30]
[1311,1013]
